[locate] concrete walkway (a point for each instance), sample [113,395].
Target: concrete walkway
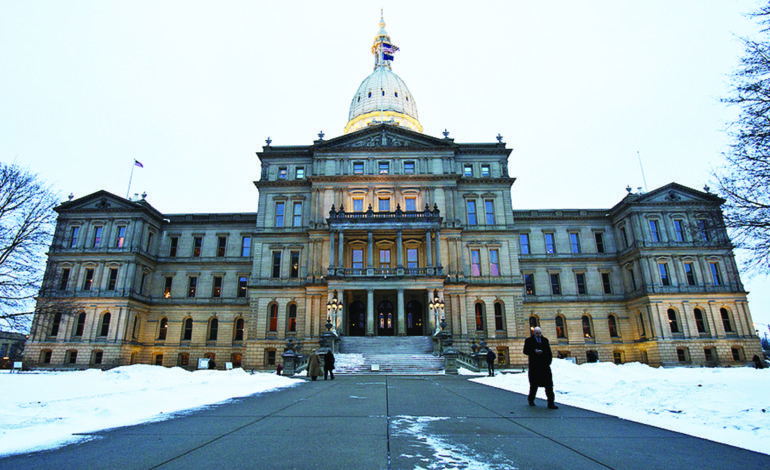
[391,422]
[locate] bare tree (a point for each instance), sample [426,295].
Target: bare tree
[744,180]
[26,228]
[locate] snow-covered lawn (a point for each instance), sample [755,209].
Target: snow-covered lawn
[44,410]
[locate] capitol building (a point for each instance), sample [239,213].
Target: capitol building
[386,231]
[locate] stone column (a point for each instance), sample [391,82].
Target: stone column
[331,252]
[339,255]
[370,254]
[369,312]
[428,247]
[438,249]
[401,315]
[399,252]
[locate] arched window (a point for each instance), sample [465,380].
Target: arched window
[80,325]
[188,329]
[499,320]
[105,324]
[238,330]
[291,321]
[673,323]
[213,329]
[479,310]
[55,324]
[163,329]
[726,320]
[561,330]
[272,325]
[612,323]
[700,321]
[533,322]
[587,332]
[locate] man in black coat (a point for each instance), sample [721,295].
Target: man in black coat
[329,364]
[538,349]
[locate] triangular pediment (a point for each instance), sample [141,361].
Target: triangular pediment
[383,136]
[673,193]
[104,201]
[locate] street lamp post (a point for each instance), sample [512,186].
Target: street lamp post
[333,307]
[436,305]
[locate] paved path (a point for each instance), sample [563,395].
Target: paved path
[391,422]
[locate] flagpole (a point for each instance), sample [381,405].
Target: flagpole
[128,191]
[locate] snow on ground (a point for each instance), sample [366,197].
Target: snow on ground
[43,410]
[728,405]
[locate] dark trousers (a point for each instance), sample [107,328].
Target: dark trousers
[491,368]
[330,372]
[548,393]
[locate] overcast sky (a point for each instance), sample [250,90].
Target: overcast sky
[579,90]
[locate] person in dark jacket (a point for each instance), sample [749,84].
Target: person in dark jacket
[313,366]
[329,364]
[212,365]
[538,349]
[491,356]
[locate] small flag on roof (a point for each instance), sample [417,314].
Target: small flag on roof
[388,50]
[138,163]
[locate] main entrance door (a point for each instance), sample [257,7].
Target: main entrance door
[357,319]
[414,319]
[385,320]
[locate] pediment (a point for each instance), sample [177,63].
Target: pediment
[383,136]
[675,193]
[102,201]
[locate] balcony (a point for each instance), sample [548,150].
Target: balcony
[384,273]
[429,218]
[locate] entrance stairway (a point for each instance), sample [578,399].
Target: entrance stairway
[390,354]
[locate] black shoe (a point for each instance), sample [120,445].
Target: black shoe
[531,403]
[551,406]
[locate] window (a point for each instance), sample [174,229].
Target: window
[599,238]
[475,263]
[700,322]
[197,245]
[489,212]
[411,258]
[183,359]
[238,330]
[97,237]
[272,325]
[113,280]
[664,278]
[524,243]
[641,325]
[279,214]
[242,283]
[55,324]
[276,264]
[221,246]
[246,246]
[163,329]
[294,264]
[358,168]
[216,290]
[737,354]
[471,212]
[291,325]
[529,284]
[703,229]
[479,313]
[586,321]
[282,172]
[65,278]
[485,170]
[174,242]
[97,357]
[384,258]
[80,326]
[726,322]
[468,170]
[192,286]
[74,237]
[71,356]
[673,323]
[358,259]
[121,236]
[561,331]
[297,220]
[716,274]
[494,266]
[533,322]
[167,287]
[574,239]
[299,173]
[213,329]
[689,272]
[270,352]
[384,204]
[45,356]
[632,278]
[681,355]
[580,279]
[187,330]
[408,168]
[358,204]
[606,283]
[105,329]
[411,204]
[624,237]
[89,280]
[555,285]
[678,230]
[612,324]
[499,323]
[550,244]
[654,235]
[149,241]
[383,168]
[710,354]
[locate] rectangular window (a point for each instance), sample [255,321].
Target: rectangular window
[89,280]
[294,267]
[679,230]
[550,244]
[97,237]
[689,271]
[632,278]
[574,239]
[358,168]
[121,236]
[297,220]
[216,290]
[664,279]
[703,229]
[494,264]
[580,279]
[282,172]
[113,281]
[299,173]
[411,258]
[167,287]
[221,246]
[74,237]
[65,278]
[408,168]
[489,212]
[358,204]
[485,170]
[524,243]
[276,264]
[716,274]
[599,238]
[384,258]
[279,214]
[192,286]
[410,204]
[606,283]
[529,284]
[384,204]
[555,285]
[246,246]
[654,235]
[383,168]
[475,263]
[142,282]
[358,259]
[174,242]
[242,283]
[149,241]
[468,170]
[624,237]
[197,245]
[471,212]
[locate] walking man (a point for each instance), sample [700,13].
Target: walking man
[329,364]
[491,356]
[538,349]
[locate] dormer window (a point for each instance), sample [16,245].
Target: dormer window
[485,170]
[282,172]
[384,168]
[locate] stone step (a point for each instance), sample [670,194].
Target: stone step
[387,345]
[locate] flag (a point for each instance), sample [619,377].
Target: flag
[388,50]
[138,163]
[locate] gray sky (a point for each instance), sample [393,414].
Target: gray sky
[192,90]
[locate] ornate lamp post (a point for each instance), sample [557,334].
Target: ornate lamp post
[436,305]
[333,307]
